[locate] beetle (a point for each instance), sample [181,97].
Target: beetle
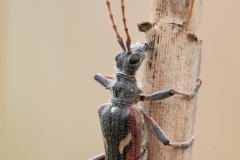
[122,122]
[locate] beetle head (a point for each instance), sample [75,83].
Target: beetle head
[129,62]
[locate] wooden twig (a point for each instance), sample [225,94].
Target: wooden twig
[174,63]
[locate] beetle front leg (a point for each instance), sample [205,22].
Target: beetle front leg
[104,80]
[195,90]
[99,157]
[168,93]
[159,133]
[158,95]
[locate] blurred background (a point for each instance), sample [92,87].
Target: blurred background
[50,51]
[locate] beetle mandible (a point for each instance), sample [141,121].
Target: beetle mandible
[122,122]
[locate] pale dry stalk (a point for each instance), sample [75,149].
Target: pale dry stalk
[174,63]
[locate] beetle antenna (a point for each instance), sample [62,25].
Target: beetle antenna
[128,41]
[119,39]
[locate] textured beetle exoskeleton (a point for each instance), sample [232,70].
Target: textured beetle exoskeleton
[122,122]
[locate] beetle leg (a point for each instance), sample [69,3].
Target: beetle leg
[158,95]
[106,81]
[182,144]
[159,133]
[168,93]
[191,95]
[144,155]
[99,157]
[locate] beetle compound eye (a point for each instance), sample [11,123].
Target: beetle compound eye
[134,59]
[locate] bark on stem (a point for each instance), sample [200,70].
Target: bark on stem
[174,63]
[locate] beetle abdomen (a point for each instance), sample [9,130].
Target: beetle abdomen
[122,132]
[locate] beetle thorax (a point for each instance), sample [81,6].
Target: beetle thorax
[124,90]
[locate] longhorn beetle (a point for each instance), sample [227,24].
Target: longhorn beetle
[121,120]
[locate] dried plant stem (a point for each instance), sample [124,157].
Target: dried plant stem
[174,63]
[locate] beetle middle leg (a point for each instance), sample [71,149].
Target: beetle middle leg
[99,157]
[159,133]
[144,155]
